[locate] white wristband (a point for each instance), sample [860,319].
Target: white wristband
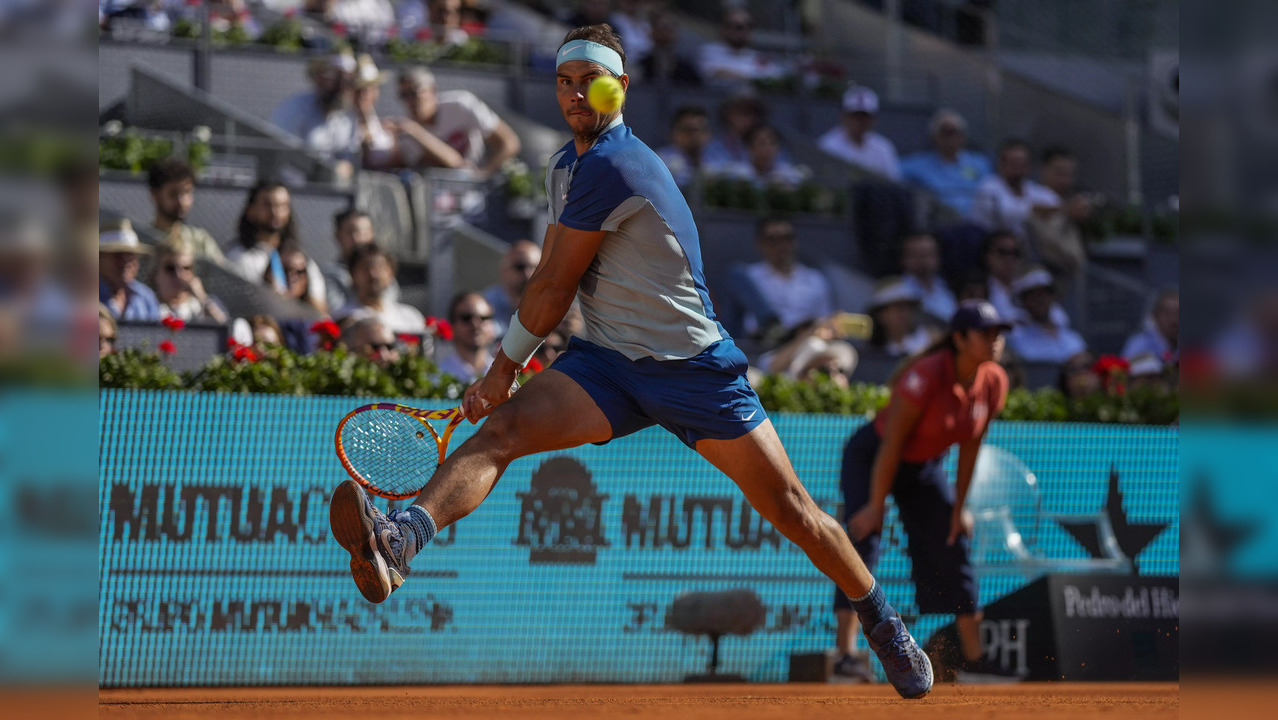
[518,344]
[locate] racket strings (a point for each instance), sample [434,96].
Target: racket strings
[391,450]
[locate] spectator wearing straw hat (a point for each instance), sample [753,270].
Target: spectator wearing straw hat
[319,116]
[1040,338]
[898,327]
[854,139]
[119,259]
[379,148]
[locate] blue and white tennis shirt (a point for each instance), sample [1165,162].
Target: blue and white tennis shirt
[645,293]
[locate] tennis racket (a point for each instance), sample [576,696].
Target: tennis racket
[392,449]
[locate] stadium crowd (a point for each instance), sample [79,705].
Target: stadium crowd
[1004,227]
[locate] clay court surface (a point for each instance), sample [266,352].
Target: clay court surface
[1114,701]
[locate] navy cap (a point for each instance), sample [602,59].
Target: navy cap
[977,315]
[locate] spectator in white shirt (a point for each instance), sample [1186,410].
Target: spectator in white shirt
[795,292]
[1040,338]
[267,231]
[372,272]
[471,352]
[451,129]
[1006,199]
[764,164]
[320,117]
[733,61]
[920,268]
[689,135]
[898,328]
[854,139]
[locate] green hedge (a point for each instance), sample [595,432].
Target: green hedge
[339,372]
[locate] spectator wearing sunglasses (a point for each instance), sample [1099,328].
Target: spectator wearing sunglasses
[372,272]
[1003,256]
[517,267]
[471,351]
[303,280]
[178,288]
[371,338]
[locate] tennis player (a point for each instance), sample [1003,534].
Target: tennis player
[945,395]
[623,241]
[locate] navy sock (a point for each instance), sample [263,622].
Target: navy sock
[418,526]
[873,608]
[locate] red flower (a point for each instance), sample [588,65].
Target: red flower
[327,329]
[231,344]
[423,33]
[1108,364]
[441,328]
[167,347]
[173,323]
[339,29]
[409,338]
[245,353]
[534,366]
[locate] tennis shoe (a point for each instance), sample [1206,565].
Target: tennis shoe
[906,665]
[375,542]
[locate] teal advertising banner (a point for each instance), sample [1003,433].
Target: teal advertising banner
[217,567]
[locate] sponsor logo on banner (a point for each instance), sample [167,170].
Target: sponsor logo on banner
[701,521]
[1133,603]
[561,515]
[1007,644]
[225,514]
[281,615]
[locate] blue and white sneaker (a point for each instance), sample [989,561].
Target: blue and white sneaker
[906,665]
[375,542]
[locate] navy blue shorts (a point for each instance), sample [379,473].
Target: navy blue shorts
[943,579]
[703,397]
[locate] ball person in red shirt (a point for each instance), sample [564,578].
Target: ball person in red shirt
[943,396]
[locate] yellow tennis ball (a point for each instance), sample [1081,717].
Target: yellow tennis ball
[605,94]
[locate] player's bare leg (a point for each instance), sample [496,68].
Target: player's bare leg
[551,412]
[758,464]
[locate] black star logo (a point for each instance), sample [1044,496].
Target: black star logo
[1131,537]
[1207,541]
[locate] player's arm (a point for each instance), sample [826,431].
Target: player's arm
[565,258]
[566,255]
